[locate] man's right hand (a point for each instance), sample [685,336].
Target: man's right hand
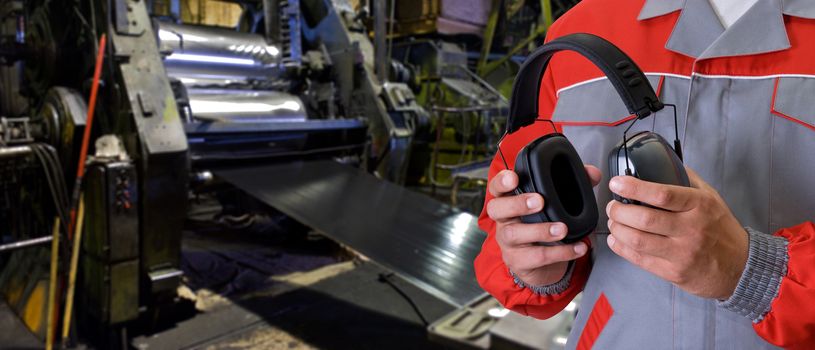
[535,264]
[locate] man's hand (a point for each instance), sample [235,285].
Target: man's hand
[693,241]
[533,263]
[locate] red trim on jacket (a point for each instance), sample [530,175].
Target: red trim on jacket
[782,115]
[600,313]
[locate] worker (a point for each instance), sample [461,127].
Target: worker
[726,263]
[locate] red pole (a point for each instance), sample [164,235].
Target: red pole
[83,153]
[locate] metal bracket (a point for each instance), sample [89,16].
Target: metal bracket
[15,130]
[125,21]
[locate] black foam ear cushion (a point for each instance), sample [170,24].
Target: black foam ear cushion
[551,167]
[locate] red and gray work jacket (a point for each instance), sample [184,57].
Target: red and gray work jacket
[745,98]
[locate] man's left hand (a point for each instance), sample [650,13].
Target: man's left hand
[692,241]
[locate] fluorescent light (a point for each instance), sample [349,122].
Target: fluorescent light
[560,340]
[210,59]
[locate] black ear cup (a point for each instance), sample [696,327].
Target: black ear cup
[551,167]
[650,158]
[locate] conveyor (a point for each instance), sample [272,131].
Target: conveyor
[429,243]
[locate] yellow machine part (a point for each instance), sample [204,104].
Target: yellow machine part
[34,312]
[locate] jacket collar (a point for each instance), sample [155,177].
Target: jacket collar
[698,32]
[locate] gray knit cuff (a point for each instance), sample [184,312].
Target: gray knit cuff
[759,283]
[549,289]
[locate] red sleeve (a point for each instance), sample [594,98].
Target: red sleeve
[791,320]
[491,272]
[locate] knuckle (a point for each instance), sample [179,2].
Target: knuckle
[697,233]
[680,276]
[633,187]
[510,234]
[635,258]
[664,197]
[495,185]
[510,261]
[543,256]
[637,242]
[648,220]
[491,209]
[612,210]
[672,276]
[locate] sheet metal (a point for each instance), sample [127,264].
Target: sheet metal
[425,241]
[223,143]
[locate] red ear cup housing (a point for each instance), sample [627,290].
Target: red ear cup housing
[551,167]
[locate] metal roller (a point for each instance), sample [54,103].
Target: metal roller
[212,54]
[245,106]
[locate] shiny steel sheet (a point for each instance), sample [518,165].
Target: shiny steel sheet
[425,241]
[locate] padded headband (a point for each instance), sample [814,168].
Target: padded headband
[629,81]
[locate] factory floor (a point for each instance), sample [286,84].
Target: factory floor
[266,282]
[264,287]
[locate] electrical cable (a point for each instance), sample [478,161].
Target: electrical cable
[52,174]
[56,170]
[385,278]
[55,167]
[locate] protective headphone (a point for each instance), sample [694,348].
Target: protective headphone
[550,165]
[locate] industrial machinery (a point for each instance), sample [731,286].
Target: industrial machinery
[175,101]
[312,96]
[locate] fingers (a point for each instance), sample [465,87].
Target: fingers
[507,180]
[643,218]
[534,257]
[595,175]
[510,207]
[502,183]
[645,261]
[640,241]
[520,234]
[668,197]
[658,266]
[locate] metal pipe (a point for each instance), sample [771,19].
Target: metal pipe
[489,34]
[462,109]
[381,60]
[14,151]
[25,243]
